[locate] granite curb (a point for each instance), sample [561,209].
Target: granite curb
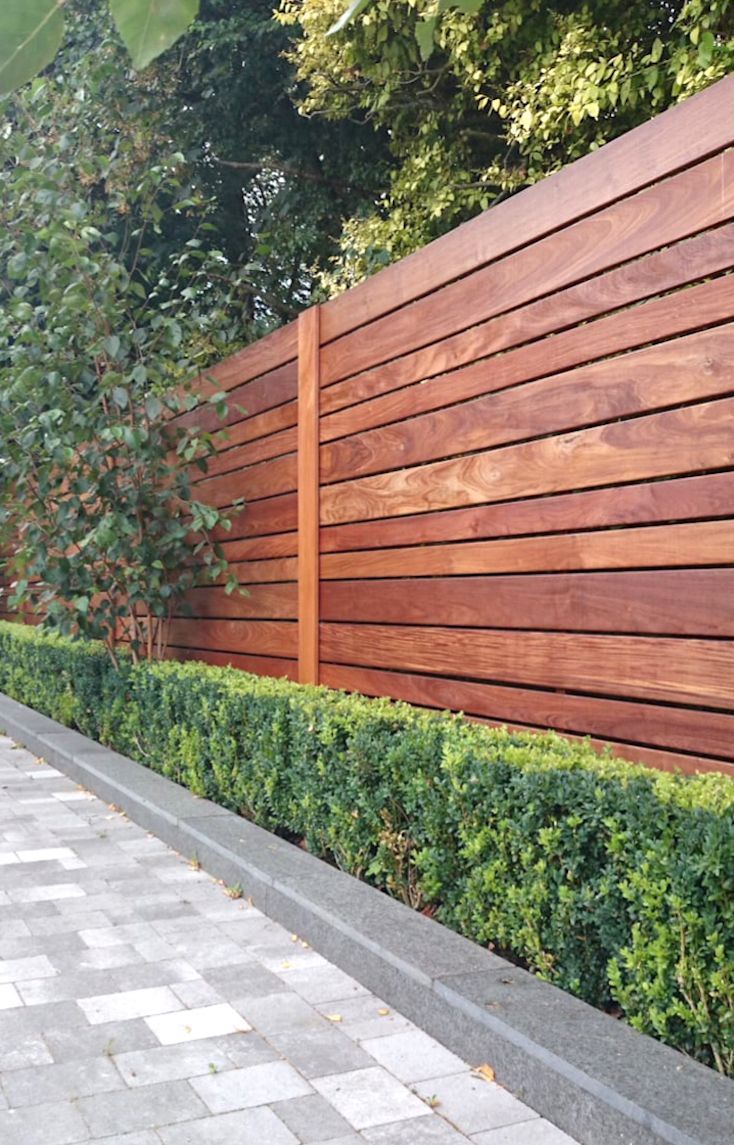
[595,1077]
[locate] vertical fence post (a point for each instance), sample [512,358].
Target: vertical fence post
[309,353]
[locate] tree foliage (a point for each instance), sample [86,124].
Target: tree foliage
[101,320]
[481,98]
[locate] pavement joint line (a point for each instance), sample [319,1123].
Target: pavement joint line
[593,1076]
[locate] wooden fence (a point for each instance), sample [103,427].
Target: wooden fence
[499,476]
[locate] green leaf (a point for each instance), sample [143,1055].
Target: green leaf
[462,5]
[112,346]
[346,17]
[31,32]
[424,31]
[706,48]
[148,27]
[119,397]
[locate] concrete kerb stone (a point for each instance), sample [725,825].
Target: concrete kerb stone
[599,1080]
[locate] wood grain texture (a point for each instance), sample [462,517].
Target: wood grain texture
[263,602]
[233,457]
[684,263]
[259,548]
[256,637]
[263,393]
[309,350]
[255,360]
[253,482]
[683,370]
[667,317]
[676,139]
[683,729]
[263,518]
[661,444]
[675,499]
[264,572]
[655,546]
[691,671]
[260,665]
[691,201]
[683,602]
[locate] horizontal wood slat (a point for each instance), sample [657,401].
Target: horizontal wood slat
[678,499]
[695,543]
[684,440]
[680,265]
[701,306]
[685,602]
[262,602]
[684,729]
[684,370]
[691,201]
[682,136]
[677,671]
[260,637]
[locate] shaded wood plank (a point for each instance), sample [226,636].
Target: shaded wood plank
[661,444]
[260,665]
[260,518]
[265,479]
[683,729]
[260,548]
[685,602]
[655,546]
[263,602]
[668,317]
[688,671]
[675,499]
[263,393]
[263,572]
[691,201]
[261,637]
[259,425]
[684,370]
[229,458]
[680,265]
[258,358]
[681,136]
[309,349]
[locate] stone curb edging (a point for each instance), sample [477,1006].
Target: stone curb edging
[593,1076]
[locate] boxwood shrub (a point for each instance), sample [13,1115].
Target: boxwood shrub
[612,881]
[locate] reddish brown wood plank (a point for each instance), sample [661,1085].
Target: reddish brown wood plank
[263,393]
[663,444]
[266,479]
[264,572]
[689,602]
[691,671]
[703,305]
[684,370]
[700,257]
[259,358]
[263,602]
[699,543]
[309,350]
[683,729]
[260,665]
[677,499]
[260,637]
[260,425]
[691,201]
[680,137]
[260,548]
[259,518]
[227,459]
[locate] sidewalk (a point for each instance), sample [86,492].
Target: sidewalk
[142,1004]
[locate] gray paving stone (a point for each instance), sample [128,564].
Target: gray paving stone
[244,980]
[191,1025]
[279,1014]
[56,1124]
[537,1132]
[69,1043]
[311,1118]
[251,1086]
[250,1127]
[147,1137]
[413,1056]
[149,1106]
[66,1082]
[369,1097]
[22,1051]
[367,1017]
[171,1063]
[426,1131]
[322,984]
[197,993]
[473,1104]
[321,1051]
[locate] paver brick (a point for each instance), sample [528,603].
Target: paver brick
[321,1051]
[65,1082]
[129,1004]
[473,1104]
[205,1022]
[149,1106]
[537,1132]
[413,1056]
[311,1118]
[58,1123]
[249,1127]
[251,1086]
[369,1097]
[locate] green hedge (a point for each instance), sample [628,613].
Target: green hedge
[612,881]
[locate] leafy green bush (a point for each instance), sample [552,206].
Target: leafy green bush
[612,881]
